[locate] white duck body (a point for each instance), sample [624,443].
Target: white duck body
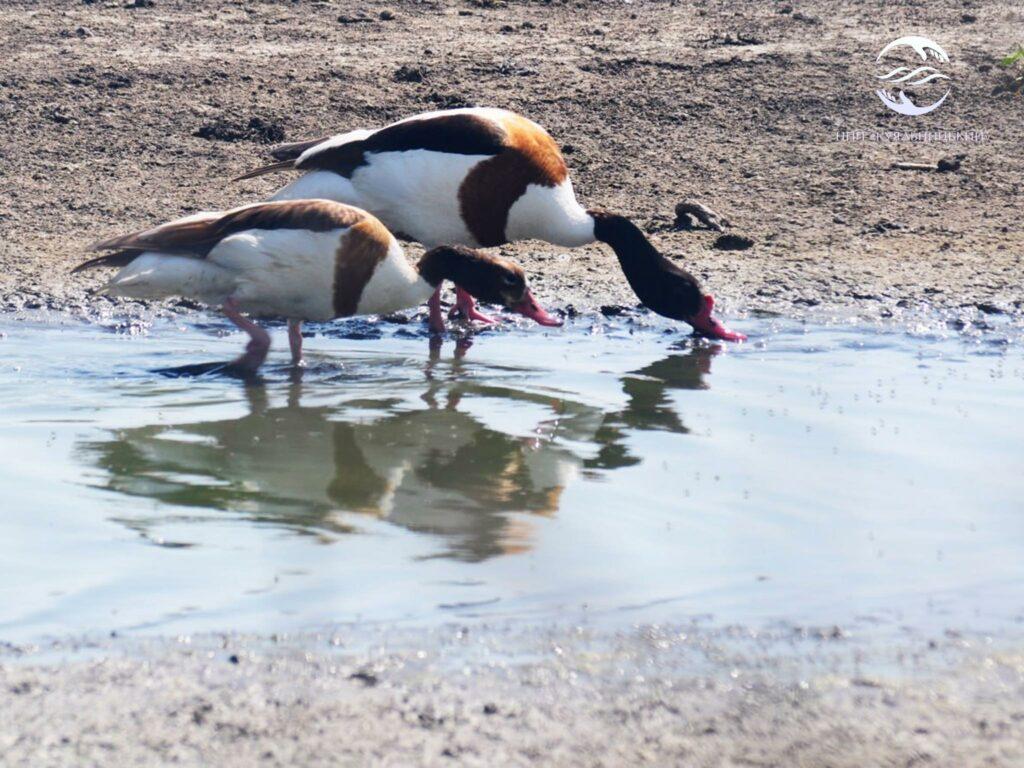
[477,177]
[483,177]
[308,260]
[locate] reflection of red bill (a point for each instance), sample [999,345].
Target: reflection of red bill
[529,307]
[707,325]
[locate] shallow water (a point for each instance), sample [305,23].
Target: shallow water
[604,473]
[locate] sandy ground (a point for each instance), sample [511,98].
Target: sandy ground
[116,117]
[484,696]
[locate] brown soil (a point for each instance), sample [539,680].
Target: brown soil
[115,117]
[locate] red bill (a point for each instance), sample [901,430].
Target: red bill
[708,325]
[529,307]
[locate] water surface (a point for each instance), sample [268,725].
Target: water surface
[612,473]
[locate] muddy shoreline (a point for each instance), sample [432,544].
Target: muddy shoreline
[472,694]
[765,114]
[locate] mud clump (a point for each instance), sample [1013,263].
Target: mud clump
[733,243]
[410,74]
[257,129]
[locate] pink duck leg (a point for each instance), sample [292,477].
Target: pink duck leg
[259,340]
[295,342]
[436,320]
[465,305]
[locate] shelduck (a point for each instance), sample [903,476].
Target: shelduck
[302,259]
[482,177]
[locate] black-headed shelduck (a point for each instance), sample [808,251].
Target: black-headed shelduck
[302,259]
[482,177]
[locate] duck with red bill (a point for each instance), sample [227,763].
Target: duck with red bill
[660,284]
[306,260]
[706,324]
[528,307]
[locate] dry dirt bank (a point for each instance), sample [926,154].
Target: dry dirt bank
[116,117]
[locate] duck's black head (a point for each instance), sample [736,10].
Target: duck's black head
[487,278]
[661,285]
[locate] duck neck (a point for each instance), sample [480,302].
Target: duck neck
[636,254]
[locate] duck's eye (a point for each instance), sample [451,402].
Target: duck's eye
[512,281]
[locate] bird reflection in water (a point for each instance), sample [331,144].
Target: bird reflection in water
[429,463]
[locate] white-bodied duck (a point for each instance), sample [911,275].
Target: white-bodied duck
[304,260]
[482,177]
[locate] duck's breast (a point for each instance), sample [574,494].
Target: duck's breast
[550,213]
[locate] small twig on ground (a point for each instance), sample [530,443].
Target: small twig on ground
[915,166]
[702,213]
[944,165]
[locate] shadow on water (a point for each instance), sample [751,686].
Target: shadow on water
[426,458]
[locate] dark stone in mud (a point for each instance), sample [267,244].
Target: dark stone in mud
[990,309]
[343,19]
[119,81]
[733,243]
[257,129]
[490,709]
[884,225]
[140,4]
[738,38]
[449,100]
[798,16]
[407,74]
[366,678]
[614,310]
[968,18]
[233,658]
[386,15]
[60,117]
[947,164]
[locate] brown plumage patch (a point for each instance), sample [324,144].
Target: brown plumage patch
[362,249]
[535,144]
[198,236]
[492,187]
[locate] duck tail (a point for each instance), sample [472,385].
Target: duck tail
[272,168]
[116,259]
